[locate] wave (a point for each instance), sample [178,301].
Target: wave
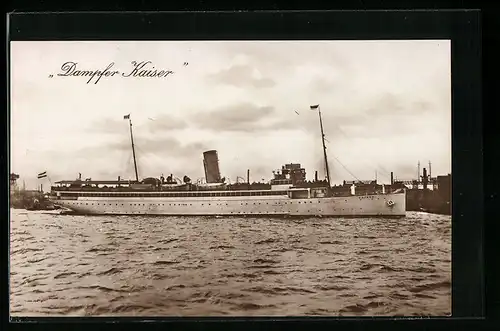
[110,271]
[431,286]
[64,275]
[162,262]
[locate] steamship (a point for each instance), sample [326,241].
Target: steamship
[288,193]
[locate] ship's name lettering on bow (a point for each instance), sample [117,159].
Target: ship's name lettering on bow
[143,69]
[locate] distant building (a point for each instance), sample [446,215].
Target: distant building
[444,186]
[13,182]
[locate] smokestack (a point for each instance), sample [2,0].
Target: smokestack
[211,164]
[424,179]
[418,172]
[392,178]
[316,176]
[248,176]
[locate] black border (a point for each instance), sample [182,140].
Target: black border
[461,26]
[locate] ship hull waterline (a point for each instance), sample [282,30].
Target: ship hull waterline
[376,205]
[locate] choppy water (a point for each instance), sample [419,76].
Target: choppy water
[174,266]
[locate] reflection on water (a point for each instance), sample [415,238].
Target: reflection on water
[185,266]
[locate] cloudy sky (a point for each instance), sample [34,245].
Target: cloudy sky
[386,105]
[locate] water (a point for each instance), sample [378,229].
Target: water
[175,266]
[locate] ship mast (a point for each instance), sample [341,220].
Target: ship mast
[133,148]
[324,146]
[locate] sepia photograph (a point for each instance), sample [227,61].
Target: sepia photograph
[230,178]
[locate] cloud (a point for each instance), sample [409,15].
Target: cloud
[280,56]
[114,158]
[390,104]
[240,76]
[154,124]
[243,117]
[108,125]
[165,122]
[160,146]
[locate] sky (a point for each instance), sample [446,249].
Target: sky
[386,105]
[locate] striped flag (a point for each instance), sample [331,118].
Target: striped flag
[314,107]
[126,117]
[42,175]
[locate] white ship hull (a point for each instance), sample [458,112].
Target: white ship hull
[382,205]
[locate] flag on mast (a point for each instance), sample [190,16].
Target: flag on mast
[314,107]
[42,175]
[126,117]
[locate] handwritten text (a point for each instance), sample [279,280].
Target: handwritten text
[143,69]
